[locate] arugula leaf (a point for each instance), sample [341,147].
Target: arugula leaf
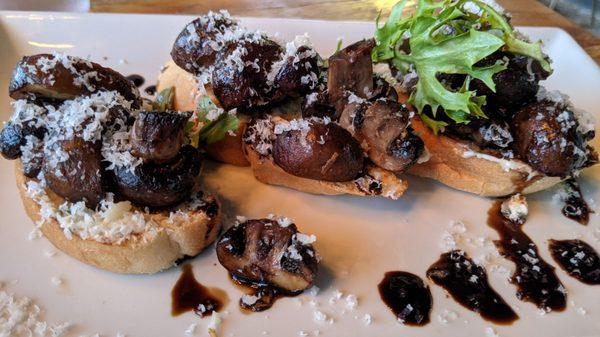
[446,39]
[165,100]
[208,131]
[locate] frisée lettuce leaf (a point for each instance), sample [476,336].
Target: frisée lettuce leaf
[448,37]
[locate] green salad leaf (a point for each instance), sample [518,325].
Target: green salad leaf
[446,37]
[204,130]
[165,100]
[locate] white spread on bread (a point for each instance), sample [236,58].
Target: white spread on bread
[507,165]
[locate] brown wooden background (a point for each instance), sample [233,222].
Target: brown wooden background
[525,12]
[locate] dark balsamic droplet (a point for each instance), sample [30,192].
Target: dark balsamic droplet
[467,283]
[189,295]
[575,208]
[578,259]
[150,90]
[137,80]
[407,296]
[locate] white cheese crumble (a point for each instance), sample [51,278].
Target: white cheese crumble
[111,223]
[21,317]
[515,208]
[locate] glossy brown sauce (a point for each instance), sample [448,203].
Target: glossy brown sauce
[535,279]
[258,296]
[467,283]
[407,296]
[150,90]
[189,295]
[137,80]
[575,208]
[578,259]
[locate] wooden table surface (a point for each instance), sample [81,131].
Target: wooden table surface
[525,12]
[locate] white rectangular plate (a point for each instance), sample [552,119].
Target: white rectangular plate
[358,238]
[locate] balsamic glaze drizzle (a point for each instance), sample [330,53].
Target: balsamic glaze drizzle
[578,259]
[467,283]
[575,207]
[407,296]
[189,295]
[535,279]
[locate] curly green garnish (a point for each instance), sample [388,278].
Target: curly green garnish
[205,130]
[444,37]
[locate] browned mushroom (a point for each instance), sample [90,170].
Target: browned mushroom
[239,78]
[350,69]
[383,128]
[547,137]
[80,177]
[61,77]
[266,252]
[391,143]
[316,104]
[163,185]
[298,74]
[157,136]
[319,151]
[198,43]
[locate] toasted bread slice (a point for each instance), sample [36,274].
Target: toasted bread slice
[171,237]
[459,165]
[376,182]
[187,93]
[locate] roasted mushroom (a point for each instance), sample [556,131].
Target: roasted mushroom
[319,151]
[157,136]
[156,186]
[316,104]
[547,137]
[350,69]
[62,77]
[80,176]
[196,46]
[383,127]
[516,86]
[269,252]
[298,74]
[239,78]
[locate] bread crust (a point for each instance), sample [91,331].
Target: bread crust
[142,254]
[448,165]
[229,150]
[266,171]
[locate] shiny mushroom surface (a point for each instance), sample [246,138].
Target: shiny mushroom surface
[350,69]
[547,137]
[160,185]
[157,136]
[319,151]
[79,177]
[269,252]
[61,77]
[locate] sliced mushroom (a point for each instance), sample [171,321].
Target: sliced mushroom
[265,252]
[383,128]
[547,138]
[154,185]
[319,151]
[62,77]
[350,69]
[196,47]
[157,136]
[80,176]
[239,78]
